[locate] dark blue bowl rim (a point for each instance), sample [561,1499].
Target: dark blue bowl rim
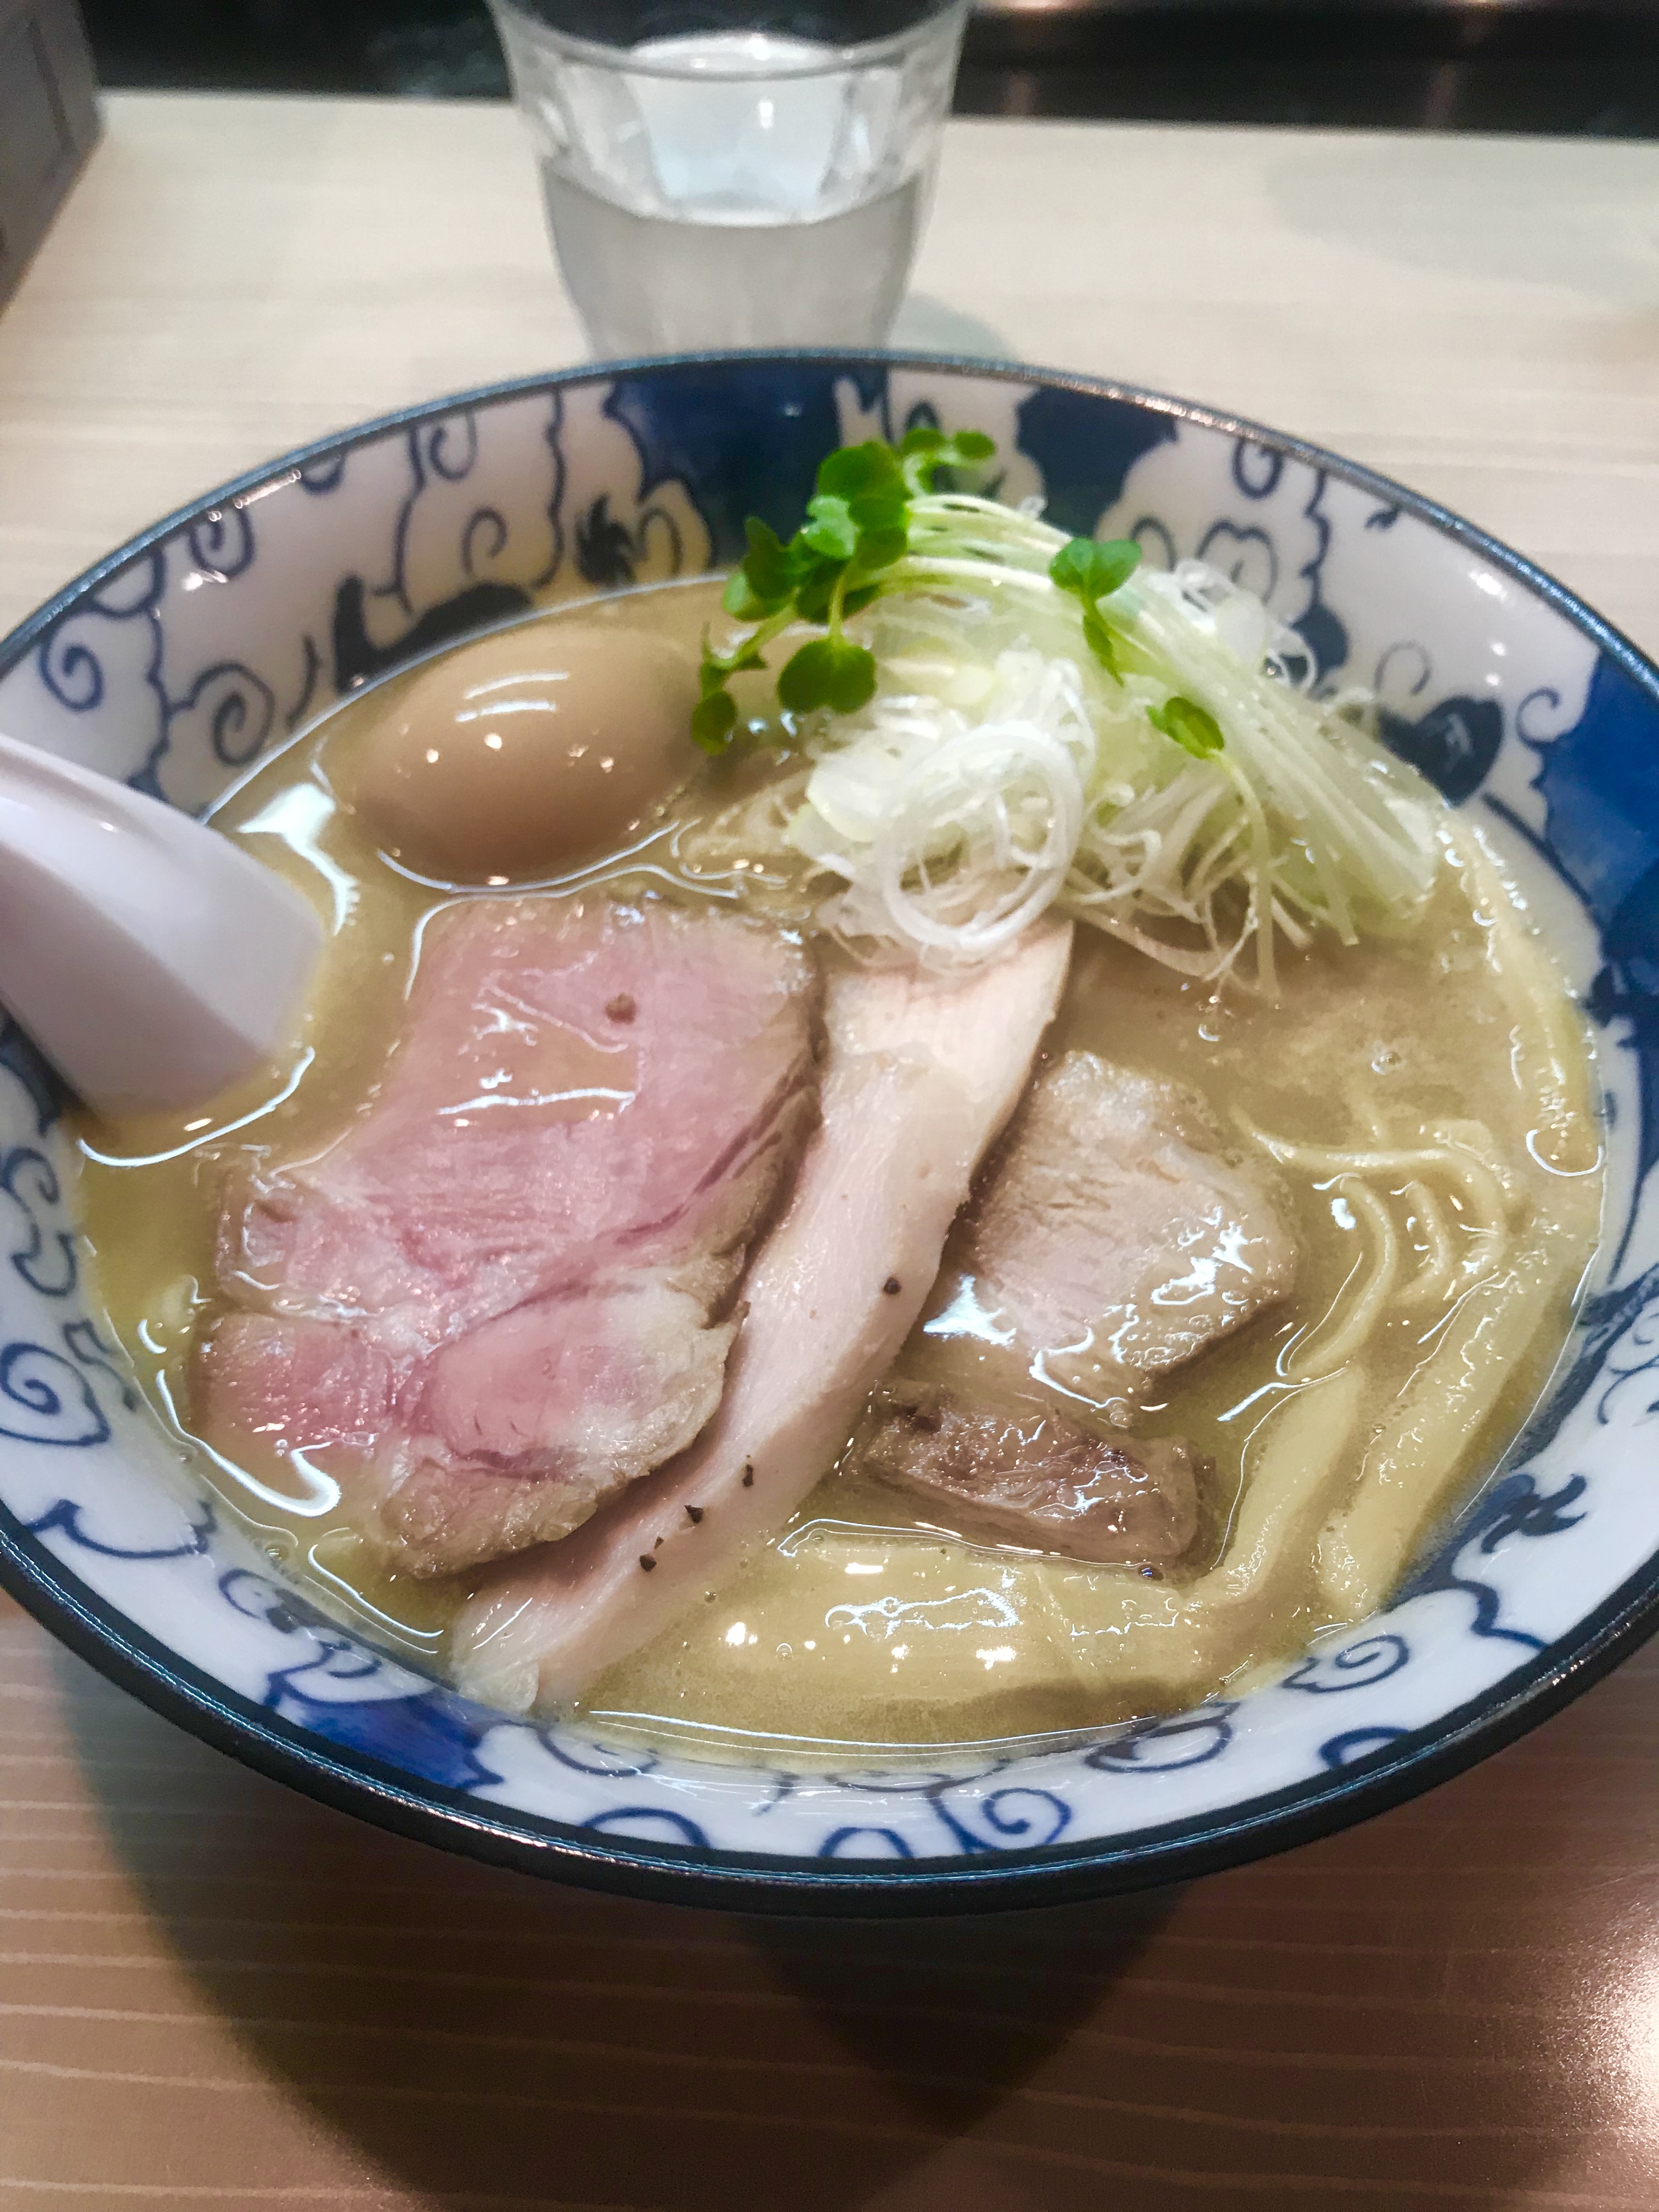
[354,1782]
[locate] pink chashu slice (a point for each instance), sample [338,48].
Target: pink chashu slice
[505,1289]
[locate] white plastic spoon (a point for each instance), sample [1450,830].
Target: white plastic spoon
[151,960]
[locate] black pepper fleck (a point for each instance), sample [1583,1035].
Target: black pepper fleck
[694,1513]
[646,1561]
[891,1287]
[657,1546]
[749,1477]
[621,1007]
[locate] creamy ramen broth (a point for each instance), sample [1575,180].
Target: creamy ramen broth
[1420,1105]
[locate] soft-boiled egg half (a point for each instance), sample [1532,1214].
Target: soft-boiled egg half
[525,753]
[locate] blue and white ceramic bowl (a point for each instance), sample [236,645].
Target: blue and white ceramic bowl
[178,659]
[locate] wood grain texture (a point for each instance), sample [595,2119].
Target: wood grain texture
[213,1993]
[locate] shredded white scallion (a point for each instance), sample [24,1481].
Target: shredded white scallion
[952,835]
[995,772]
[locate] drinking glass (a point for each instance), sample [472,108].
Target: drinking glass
[718,173]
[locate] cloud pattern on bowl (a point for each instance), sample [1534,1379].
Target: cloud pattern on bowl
[183,657]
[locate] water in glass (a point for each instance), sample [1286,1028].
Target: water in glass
[736,187]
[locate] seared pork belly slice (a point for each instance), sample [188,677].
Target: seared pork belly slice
[1112,1241]
[501,1291]
[923,1072]
[1033,1479]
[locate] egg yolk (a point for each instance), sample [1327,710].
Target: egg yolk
[525,753]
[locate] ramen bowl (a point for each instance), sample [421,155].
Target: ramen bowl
[197,646]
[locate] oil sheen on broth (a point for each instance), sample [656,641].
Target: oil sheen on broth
[862,1623]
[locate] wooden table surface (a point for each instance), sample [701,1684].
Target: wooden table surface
[213,1992]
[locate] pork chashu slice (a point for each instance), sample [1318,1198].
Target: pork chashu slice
[1112,1241]
[923,1072]
[1032,1478]
[504,1289]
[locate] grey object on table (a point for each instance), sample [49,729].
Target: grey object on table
[48,122]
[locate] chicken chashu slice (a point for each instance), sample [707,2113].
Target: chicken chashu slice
[505,1288]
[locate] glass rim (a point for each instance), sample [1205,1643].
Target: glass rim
[864,53]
